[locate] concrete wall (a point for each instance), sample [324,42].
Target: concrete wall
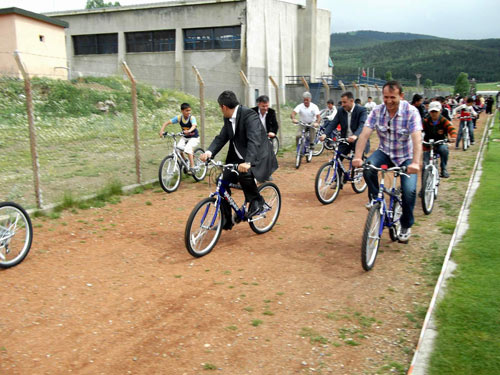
[41,58]
[8,44]
[219,68]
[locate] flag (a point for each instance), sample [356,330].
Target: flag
[364,73]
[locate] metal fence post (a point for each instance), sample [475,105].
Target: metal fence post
[246,82]
[202,105]
[134,117]
[327,90]
[32,131]
[276,87]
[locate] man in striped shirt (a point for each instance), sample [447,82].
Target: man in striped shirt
[399,128]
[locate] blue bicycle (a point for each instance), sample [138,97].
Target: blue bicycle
[332,175]
[204,225]
[303,147]
[382,215]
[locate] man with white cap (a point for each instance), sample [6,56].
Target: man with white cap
[437,127]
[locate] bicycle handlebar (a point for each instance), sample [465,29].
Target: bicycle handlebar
[435,143]
[180,134]
[300,123]
[398,170]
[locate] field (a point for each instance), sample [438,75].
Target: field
[112,290]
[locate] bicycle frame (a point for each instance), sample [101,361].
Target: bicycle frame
[304,145]
[338,163]
[177,152]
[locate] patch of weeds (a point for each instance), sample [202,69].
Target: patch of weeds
[38,225]
[55,215]
[392,367]
[39,214]
[364,321]
[177,276]
[209,366]
[308,227]
[254,283]
[244,283]
[243,295]
[248,309]
[232,328]
[231,286]
[446,226]
[256,322]
[267,312]
[68,200]
[327,227]
[314,337]
[227,272]
[280,293]
[148,203]
[267,301]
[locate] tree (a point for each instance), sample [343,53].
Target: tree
[462,84]
[428,83]
[92,4]
[388,75]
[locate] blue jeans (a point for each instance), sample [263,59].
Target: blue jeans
[408,186]
[470,125]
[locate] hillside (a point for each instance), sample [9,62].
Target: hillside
[440,60]
[366,38]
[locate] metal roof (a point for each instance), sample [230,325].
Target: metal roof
[36,16]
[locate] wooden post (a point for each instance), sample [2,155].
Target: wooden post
[134,118]
[32,131]
[327,89]
[304,82]
[276,87]
[247,87]
[342,86]
[202,105]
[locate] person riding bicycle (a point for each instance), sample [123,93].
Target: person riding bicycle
[328,114]
[351,117]
[267,116]
[308,113]
[436,127]
[466,112]
[191,137]
[399,128]
[248,147]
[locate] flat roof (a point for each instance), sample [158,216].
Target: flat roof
[166,4]
[36,16]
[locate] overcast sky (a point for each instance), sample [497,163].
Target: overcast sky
[457,19]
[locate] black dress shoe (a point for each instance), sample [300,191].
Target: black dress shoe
[254,209]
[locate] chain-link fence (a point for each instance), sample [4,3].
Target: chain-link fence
[84,132]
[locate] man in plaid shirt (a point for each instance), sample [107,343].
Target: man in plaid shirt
[399,128]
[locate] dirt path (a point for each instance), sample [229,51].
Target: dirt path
[113,291]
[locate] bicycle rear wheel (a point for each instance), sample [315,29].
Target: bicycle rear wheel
[265,221]
[371,237]
[203,227]
[200,168]
[169,174]
[428,191]
[327,183]
[16,234]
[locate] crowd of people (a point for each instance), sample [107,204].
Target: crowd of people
[400,126]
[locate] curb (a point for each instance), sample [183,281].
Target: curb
[429,331]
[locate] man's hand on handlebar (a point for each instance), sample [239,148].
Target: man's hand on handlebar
[244,167]
[413,168]
[322,137]
[205,156]
[357,162]
[352,138]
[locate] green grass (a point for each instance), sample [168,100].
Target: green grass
[468,318]
[489,86]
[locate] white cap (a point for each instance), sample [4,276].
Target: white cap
[435,106]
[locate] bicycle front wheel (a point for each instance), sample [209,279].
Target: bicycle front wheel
[327,183]
[428,191]
[16,234]
[298,158]
[465,139]
[169,174]
[318,148]
[203,227]
[276,145]
[371,237]
[200,168]
[265,221]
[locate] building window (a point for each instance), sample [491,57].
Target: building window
[95,44]
[41,38]
[151,41]
[212,38]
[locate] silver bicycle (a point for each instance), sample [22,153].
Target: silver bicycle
[174,164]
[430,177]
[16,234]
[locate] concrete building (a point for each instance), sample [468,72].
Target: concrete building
[40,41]
[161,42]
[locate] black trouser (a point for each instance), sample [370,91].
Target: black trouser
[247,182]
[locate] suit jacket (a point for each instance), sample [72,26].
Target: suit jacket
[250,139]
[271,122]
[358,119]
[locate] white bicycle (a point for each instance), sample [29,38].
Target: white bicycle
[16,234]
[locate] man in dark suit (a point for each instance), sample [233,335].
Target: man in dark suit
[267,116]
[352,118]
[248,147]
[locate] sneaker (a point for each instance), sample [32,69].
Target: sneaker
[444,173]
[404,235]
[368,206]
